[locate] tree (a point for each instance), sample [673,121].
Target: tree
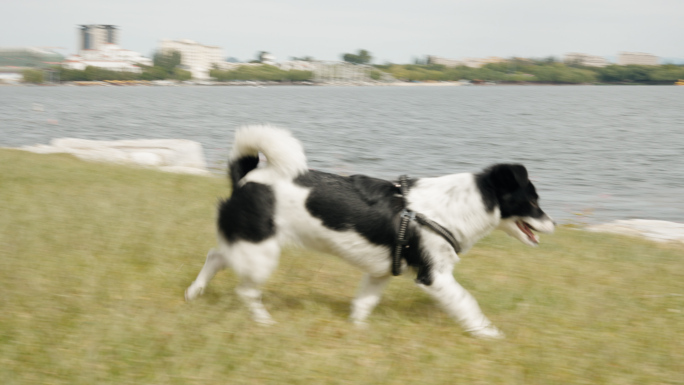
[69,75]
[612,73]
[181,74]
[33,76]
[167,60]
[667,74]
[299,76]
[362,57]
[154,73]
[261,73]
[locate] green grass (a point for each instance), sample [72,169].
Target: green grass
[94,259]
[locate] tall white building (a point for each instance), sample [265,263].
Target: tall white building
[585,59]
[627,58]
[195,57]
[94,36]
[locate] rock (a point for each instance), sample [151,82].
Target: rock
[172,155]
[660,231]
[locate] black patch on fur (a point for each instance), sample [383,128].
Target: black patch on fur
[366,205]
[240,167]
[248,213]
[507,186]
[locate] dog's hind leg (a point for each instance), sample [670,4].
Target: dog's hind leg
[367,297]
[254,263]
[215,262]
[461,305]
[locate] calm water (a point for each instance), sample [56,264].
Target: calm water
[613,152]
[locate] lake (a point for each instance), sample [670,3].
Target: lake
[595,153]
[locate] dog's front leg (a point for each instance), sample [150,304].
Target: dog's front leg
[460,305]
[214,263]
[367,297]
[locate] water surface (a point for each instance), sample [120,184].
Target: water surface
[609,152]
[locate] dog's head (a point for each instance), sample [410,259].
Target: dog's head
[508,187]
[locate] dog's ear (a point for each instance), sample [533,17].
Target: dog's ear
[509,177]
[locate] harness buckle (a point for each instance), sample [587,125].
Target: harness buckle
[406,213]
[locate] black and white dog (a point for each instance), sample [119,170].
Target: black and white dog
[356,218]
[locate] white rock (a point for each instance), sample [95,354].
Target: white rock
[173,155]
[146,158]
[660,231]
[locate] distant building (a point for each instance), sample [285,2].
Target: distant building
[98,47]
[468,62]
[197,58]
[585,59]
[444,61]
[299,65]
[285,65]
[639,58]
[108,56]
[94,36]
[335,72]
[331,72]
[479,62]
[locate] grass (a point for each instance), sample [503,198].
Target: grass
[94,259]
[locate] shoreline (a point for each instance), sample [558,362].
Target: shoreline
[264,84]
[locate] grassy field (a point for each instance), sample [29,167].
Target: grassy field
[94,259]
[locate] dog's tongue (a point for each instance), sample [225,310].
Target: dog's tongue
[526,229]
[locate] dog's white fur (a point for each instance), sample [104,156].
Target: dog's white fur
[452,201]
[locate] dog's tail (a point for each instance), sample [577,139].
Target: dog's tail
[283,152]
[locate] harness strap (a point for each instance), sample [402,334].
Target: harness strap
[439,229]
[406,217]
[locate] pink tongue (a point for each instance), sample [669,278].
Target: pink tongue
[523,227]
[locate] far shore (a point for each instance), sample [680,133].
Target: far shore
[262,84]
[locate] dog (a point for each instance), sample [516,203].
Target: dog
[280,201]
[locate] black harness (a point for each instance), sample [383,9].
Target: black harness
[406,217]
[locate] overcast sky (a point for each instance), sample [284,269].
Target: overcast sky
[396,31]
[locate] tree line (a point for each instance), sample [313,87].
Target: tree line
[167,65]
[539,71]
[260,72]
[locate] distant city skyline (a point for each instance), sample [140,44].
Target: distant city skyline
[395,32]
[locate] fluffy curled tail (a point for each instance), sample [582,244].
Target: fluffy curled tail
[283,152]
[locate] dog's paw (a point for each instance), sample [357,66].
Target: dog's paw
[193,292]
[488,332]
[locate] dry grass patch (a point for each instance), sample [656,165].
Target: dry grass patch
[94,259]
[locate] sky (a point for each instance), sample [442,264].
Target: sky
[397,31]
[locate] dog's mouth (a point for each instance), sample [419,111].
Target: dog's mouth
[527,230]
